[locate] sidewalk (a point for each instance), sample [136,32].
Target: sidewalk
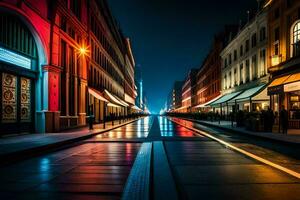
[17,147]
[227,126]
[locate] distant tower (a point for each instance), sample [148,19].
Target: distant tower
[139,85]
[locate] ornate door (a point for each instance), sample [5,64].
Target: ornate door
[16,104]
[9,98]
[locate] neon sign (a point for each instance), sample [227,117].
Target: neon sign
[14,58]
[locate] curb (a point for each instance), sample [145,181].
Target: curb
[35,151]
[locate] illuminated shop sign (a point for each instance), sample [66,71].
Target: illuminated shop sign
[14,58]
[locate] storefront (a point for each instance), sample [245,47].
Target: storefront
[221,105]
[18,76]
[98,103]
[106,105]
[205,108]
[285,91]
[252,99]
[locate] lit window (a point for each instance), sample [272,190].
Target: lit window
[296,39]
[296,33]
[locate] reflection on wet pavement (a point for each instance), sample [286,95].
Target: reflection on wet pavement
[86,171]
[170,129]
[138,129]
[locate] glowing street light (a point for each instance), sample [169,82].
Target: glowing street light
[83,50]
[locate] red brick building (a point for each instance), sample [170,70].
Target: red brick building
[209,75]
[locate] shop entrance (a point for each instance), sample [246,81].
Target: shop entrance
[17,103]
[18,76]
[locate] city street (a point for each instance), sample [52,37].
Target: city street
[194,166]
[149,100]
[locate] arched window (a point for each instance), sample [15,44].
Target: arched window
[296,33]
[296,39]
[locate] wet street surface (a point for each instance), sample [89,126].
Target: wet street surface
[111,164]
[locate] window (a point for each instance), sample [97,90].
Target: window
[253,40]
[71,81]
[235,55]
[263,62]
[229,80]
[241,73]
[262,33]
[247,45]
[296,39]
[229,58]
[63,23]
[235,77]
[254,67]
[241,50]
[225,63]
[71,32]
[75,6]
[63,49]
[247,70]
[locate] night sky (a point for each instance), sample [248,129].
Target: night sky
[171,37]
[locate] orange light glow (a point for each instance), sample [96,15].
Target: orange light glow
[83,50]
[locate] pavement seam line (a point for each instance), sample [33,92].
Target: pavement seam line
[251,155]
[162,174]
[138,182]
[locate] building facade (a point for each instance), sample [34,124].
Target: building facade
[175,97]
[244,69]
[188,92]
[284,61]
[53,56]
[209,75]
[111,69]
[45,37]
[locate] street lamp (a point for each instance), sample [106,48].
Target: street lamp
[82,50]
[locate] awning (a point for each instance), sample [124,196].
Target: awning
[224,98]
[97,95]
[207,103]
[247,94]
[293,78]
[123,102]
[284,84]
[113,105]
[279,81]
[136,108]
[113,99]
[285,79]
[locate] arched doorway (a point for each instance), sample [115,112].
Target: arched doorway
[18,76]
